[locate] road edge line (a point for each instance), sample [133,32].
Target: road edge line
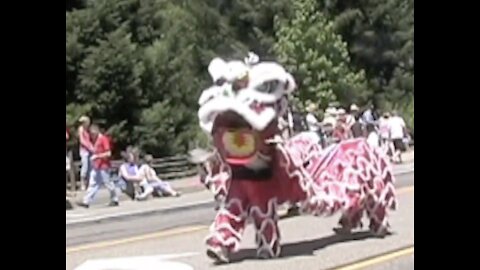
[377,259]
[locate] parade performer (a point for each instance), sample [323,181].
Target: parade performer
[253,169]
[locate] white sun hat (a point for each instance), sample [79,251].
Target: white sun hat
[331,111]
[311,107]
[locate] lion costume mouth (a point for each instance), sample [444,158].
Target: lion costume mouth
[240,143]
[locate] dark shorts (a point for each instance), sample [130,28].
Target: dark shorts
[399,145]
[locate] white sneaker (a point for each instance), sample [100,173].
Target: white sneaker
[148,190]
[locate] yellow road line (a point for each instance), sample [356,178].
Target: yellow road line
[171,232]
[377,260]
[165,233]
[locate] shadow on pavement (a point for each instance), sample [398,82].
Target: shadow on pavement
[304,247]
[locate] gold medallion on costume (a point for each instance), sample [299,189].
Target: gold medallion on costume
[239,143]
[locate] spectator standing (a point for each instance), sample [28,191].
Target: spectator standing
[312,122]
[285,124]
[398,131]
[367,117]
[357,129]
[351,116]
[329,123]
[330,118]
[311,119]
[68,160]
[100,174]
[341,131]
[373,139]
[299,123]
[384,128]
[86,150]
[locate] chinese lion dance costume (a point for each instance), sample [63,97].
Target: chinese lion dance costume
[253,170]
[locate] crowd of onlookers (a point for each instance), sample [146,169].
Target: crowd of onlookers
[95,150]
[388,131]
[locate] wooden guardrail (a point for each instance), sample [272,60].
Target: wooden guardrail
[167,168]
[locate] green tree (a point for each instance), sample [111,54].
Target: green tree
[110,82]
[380,38]
[252,22]
[125,57]
[139,65]
[318,57]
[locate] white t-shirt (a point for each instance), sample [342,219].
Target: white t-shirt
[384,128]
[396,125]
[350,120]
[312,122]
[373,139]
[147,172]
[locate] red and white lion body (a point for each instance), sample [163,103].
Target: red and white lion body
[253,170]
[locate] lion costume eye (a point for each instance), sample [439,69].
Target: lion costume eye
[268,87]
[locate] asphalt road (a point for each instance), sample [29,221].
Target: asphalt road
[146,224]
[401,263]
[308,242]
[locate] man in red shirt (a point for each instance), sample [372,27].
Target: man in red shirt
[100,174]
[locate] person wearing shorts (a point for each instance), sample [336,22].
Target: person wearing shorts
[398,130]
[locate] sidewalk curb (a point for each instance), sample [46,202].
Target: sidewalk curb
[72,200]
[404,172]
[139,213]
[164,210]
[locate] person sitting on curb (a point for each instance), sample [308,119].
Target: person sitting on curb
[128,173]
[150,181]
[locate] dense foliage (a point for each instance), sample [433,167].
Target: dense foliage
[138,66]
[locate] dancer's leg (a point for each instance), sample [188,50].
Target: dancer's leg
[377,213]
[263,211]
[227,228]
[352,217]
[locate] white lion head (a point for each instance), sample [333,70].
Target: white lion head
[242,110]
[255,93]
